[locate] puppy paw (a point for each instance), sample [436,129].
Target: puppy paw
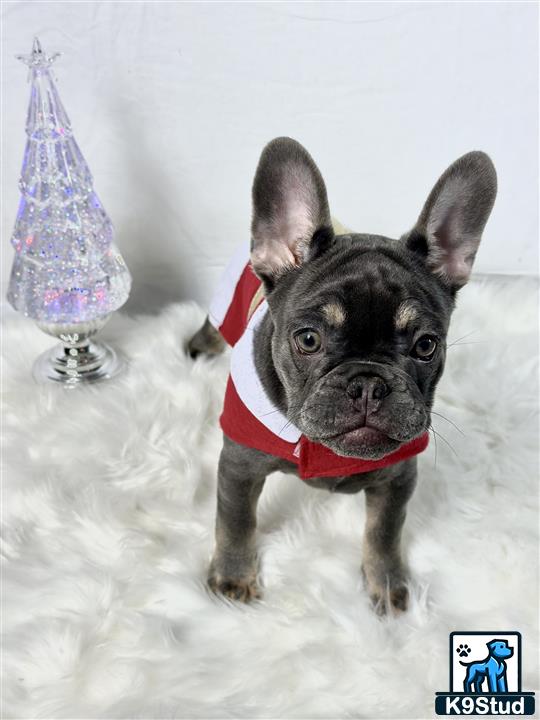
[392,601]
[241,589]
[390,597]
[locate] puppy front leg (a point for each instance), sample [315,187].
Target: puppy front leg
[383,568]
[233,570]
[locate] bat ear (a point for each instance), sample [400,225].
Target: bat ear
[452,221]
[290,210]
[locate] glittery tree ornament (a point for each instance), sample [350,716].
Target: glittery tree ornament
[66,268]
[67,273]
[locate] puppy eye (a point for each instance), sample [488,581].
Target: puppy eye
[308,341]
[424,348]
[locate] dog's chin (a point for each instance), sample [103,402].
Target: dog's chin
[366,443]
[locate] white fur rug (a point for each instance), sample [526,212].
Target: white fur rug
[108,502]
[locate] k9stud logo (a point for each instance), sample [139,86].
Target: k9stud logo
[485,676]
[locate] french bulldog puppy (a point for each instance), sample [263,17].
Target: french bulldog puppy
[349,348]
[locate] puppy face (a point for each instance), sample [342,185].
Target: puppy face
[360,321]
[359,344]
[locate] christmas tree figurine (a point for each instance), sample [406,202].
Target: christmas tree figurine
[67,273]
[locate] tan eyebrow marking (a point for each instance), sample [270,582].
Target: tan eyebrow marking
[334,313]
[405,314]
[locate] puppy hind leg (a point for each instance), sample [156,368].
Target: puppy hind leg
[207,340]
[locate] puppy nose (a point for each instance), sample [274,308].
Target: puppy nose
[367,388]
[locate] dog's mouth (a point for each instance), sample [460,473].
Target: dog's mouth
[365,434]
[371,434]
[366,442]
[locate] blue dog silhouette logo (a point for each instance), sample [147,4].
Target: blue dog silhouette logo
[485,676]
[491,669]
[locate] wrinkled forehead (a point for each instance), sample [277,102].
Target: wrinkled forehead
[370,293]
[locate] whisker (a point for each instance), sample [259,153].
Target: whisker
[435,439]
[464,336]
[289,422]
[448,421]
[472,342]
[458,341]
[445,441]
[269,413]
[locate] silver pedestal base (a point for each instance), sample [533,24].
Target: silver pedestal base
[78,360]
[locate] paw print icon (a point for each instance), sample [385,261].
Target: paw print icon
[463,650]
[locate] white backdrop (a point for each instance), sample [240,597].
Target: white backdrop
[172,102]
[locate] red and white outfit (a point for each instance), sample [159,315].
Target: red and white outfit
[248,416]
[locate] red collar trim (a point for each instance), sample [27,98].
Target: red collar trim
[312,459]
